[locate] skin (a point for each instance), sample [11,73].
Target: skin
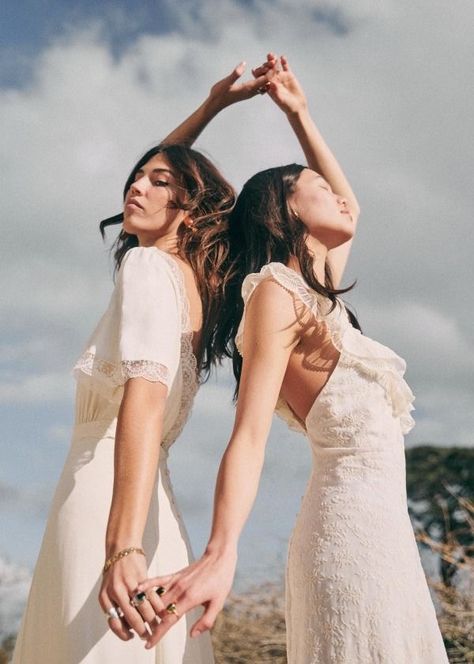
[285,353]
[151,213]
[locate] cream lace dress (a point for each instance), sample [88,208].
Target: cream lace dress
[144,332]
[356,592]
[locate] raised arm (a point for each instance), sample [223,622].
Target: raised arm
[223,93]
[271,332]
[285,90]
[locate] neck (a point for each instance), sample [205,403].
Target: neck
[168,243]
[319,252]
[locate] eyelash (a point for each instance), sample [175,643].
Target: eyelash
[160,183]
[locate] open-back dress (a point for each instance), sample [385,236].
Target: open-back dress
[356,592]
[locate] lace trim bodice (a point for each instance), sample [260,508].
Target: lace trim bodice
[188,359]
[107,377]
[372,359]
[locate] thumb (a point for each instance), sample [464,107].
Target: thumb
[237,72]
[206,621]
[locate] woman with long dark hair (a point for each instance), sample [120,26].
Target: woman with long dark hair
[355,588]
[136,380]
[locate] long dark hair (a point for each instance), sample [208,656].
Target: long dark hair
[263,228]
[208,198]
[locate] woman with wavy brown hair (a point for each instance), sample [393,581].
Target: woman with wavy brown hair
[355,588]
[136,380]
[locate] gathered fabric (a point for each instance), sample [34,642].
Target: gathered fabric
[145,332]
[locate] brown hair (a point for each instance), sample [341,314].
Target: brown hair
[263,228]
[208,198]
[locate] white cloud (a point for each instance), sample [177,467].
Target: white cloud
[14,587]
[37,389]
[390,102]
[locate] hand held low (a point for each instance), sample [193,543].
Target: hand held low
[206,582]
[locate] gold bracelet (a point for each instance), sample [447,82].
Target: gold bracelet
[119,555]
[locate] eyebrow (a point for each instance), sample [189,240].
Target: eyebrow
[159,170]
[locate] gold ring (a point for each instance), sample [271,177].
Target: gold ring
[171,608]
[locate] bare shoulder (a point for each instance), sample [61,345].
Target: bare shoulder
[271,308]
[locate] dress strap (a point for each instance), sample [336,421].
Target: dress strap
[286,277]
[290,280]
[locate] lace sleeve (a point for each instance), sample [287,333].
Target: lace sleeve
[140,333]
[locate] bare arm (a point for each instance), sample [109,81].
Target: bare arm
[223,93]
[287,93]
[137,448]
[271,332]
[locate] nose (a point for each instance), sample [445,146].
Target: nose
[138,186]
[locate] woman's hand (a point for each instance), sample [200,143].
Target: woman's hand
[283,86]
[229,90]
[206,582]
[119,586]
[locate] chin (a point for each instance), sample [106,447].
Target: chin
[131,226]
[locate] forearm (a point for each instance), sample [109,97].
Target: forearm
[319,156]
[236,488]
[189,130]
[137,449]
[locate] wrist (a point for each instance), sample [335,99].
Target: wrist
[221,550]
[113,546]
[120,554]
[299,113]
[211,107]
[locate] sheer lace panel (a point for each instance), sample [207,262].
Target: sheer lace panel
[119,374]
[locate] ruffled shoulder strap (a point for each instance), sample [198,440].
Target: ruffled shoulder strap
[290,280]
[286,277]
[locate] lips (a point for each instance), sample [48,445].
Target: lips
[134,201]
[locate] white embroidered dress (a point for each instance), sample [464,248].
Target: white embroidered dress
[144,332]
[356,592]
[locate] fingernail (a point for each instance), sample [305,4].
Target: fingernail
[196,633]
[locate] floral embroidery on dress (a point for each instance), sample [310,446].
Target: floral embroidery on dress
[369,357]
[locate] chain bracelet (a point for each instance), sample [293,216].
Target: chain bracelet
[119,555]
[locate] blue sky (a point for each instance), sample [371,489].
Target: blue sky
[85,89]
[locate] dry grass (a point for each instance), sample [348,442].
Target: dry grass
[251,629]
[456,617]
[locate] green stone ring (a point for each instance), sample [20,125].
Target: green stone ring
[138,599]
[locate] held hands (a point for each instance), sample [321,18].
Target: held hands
[206,582]
[282,85]
[274,77]
[119,587]
[230,90]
